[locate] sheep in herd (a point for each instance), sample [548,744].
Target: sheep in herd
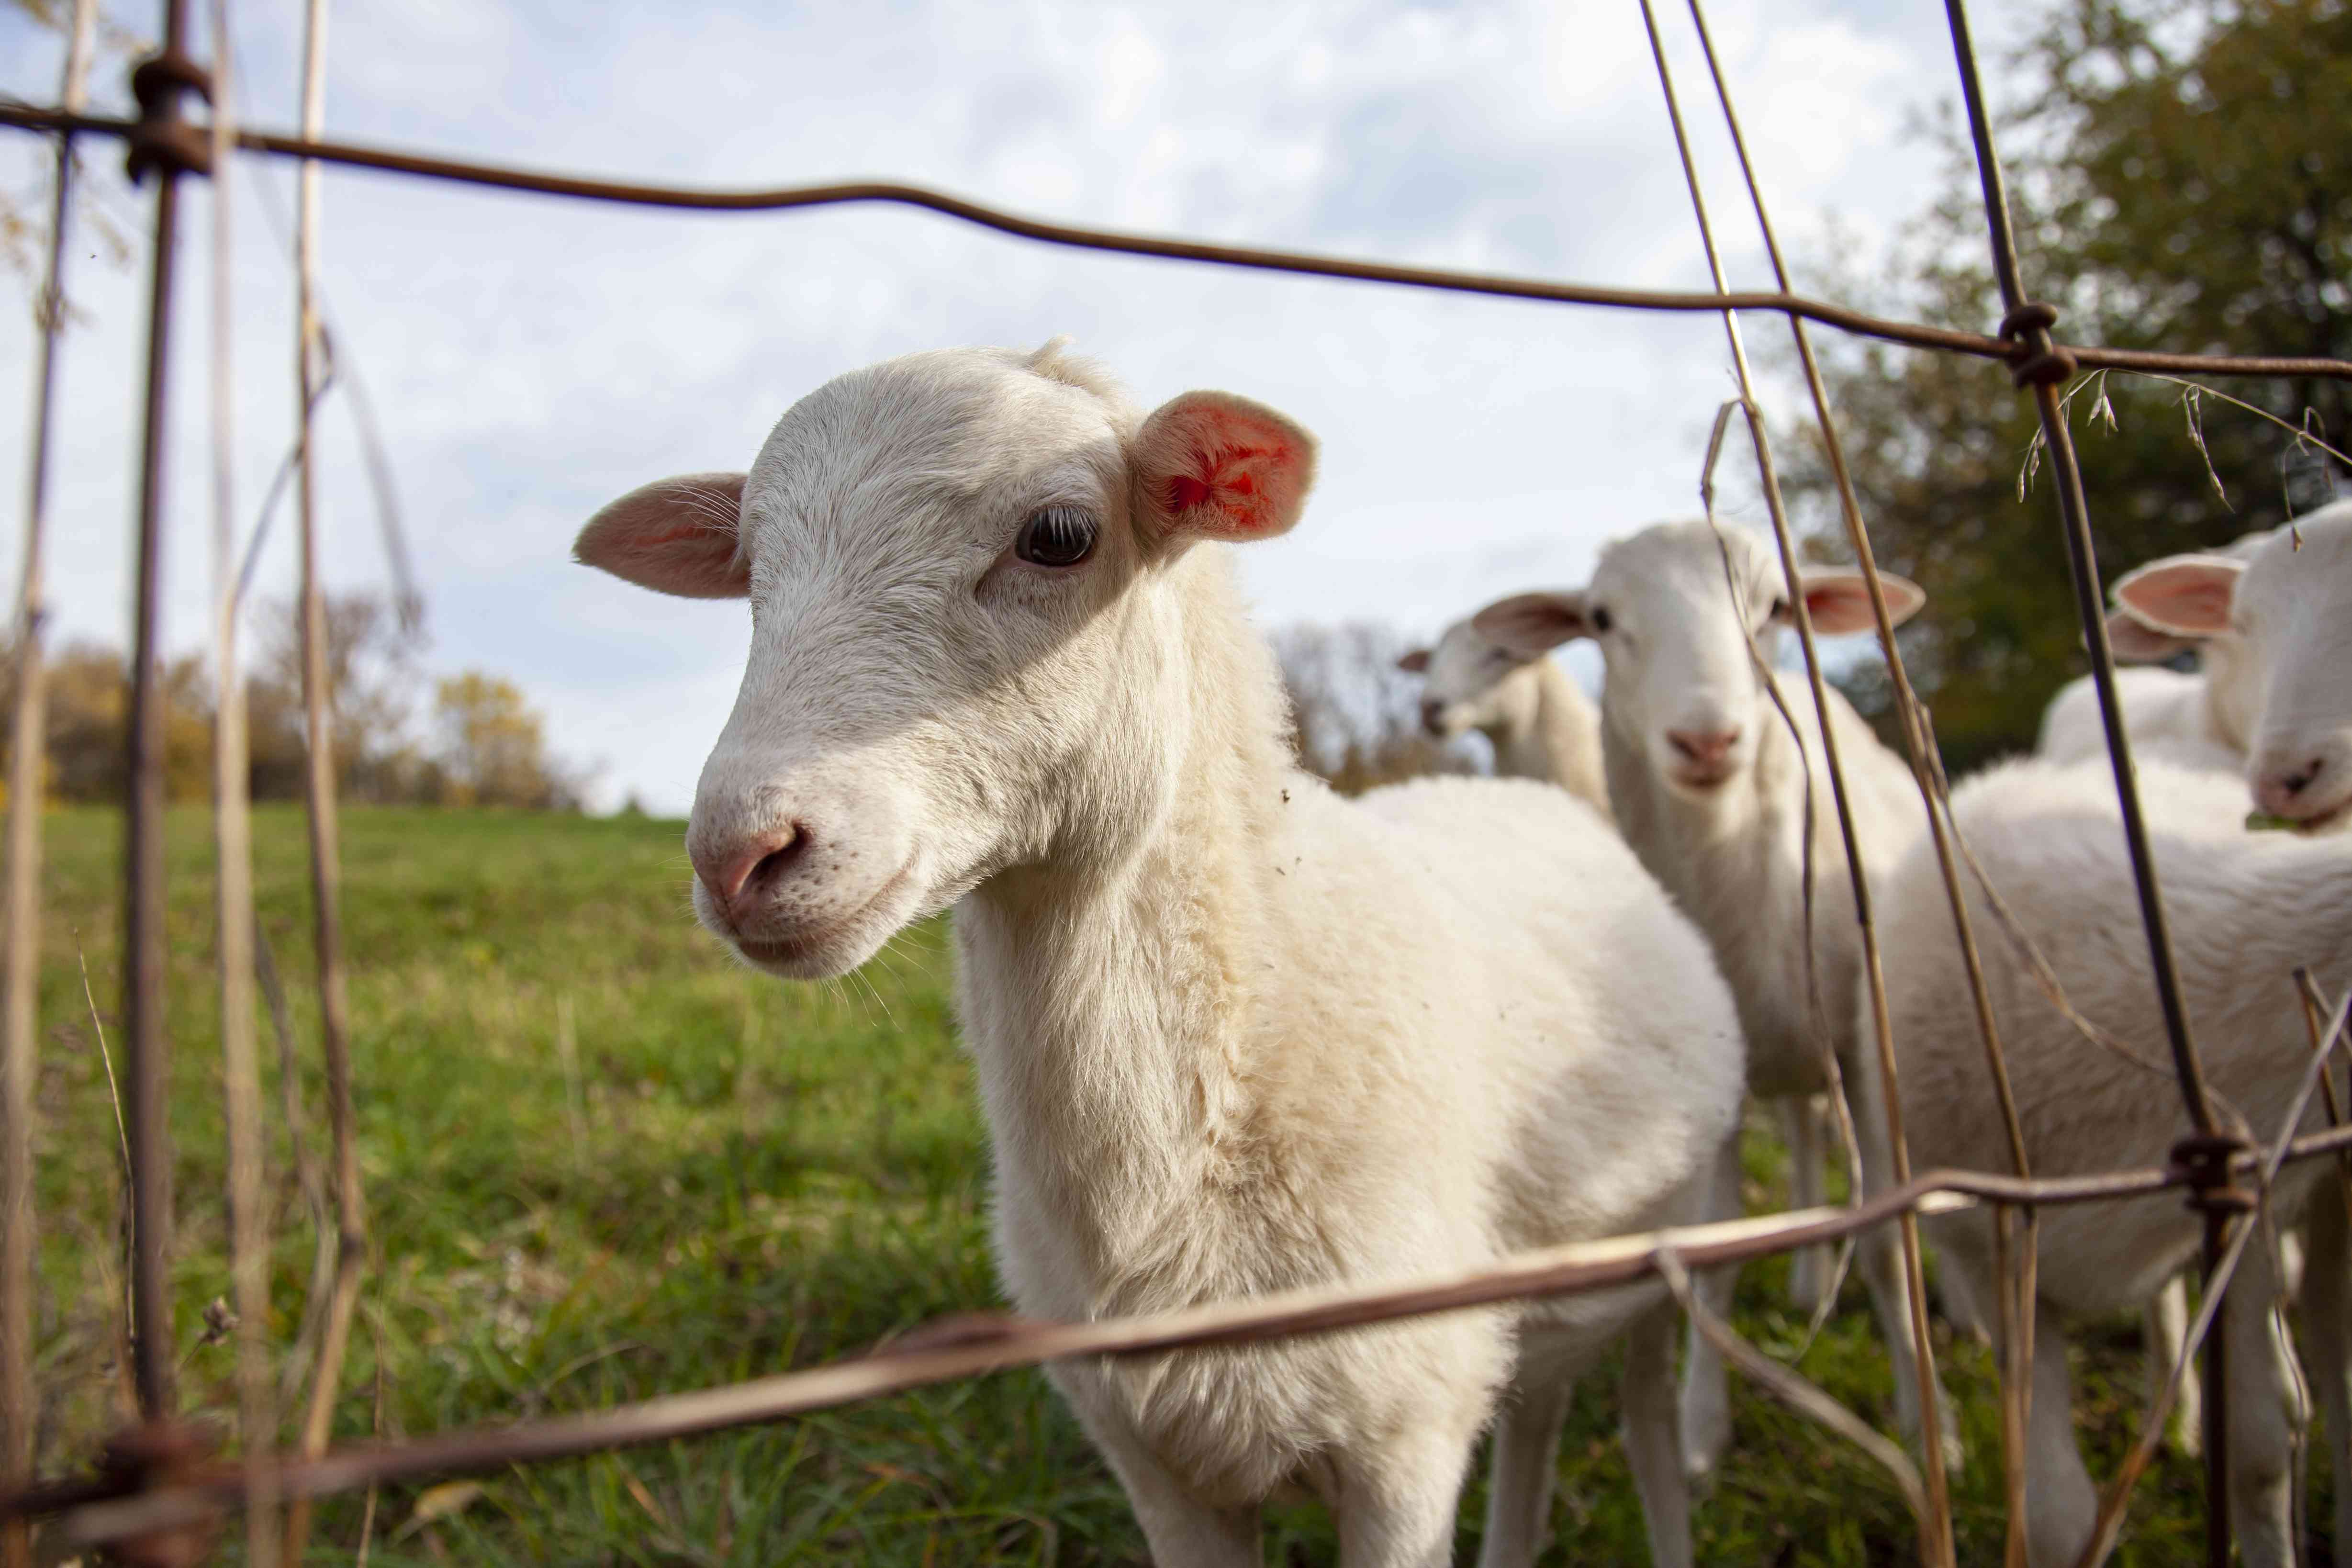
[1542,723]
[2245,909]
[1234,1033]
[2193,720]
[2203,719]
[1710,791]
[2278,608]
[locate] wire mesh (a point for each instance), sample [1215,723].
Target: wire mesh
[156,1491]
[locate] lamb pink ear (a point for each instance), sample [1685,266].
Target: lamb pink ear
[1415,662]
[1533,624]
[674,536]
[2187,596]
[1839,602]
[1209,465]
[2135,643]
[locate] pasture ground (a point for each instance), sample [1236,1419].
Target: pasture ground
[762,1177]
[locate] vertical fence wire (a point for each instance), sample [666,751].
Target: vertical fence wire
[233,934]
[2047,367]
[2018,1267]
[1935,1531]
[159,83]
[27,788]
[318,798]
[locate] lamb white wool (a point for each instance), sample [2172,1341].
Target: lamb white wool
[1710,789]
[2245,909]
[1542,724]
[1234,1033]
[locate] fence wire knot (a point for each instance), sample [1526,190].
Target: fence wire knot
[159,138]
[2207,1160]
[2046,362]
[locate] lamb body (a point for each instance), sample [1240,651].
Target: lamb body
[2245,908]
[1232,1033]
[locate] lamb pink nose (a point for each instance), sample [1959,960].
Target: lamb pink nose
[740,874]
[1707,746]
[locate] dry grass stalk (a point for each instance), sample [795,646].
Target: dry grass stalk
[19,1037]
[1926,769]
[318,798]
[1935,1534]
[233,844]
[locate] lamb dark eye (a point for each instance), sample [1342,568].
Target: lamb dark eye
[1600,620]
[1055,536]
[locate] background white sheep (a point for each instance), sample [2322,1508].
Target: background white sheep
[1710,788]
[1234,1033]
[1540,721]
[2245,909]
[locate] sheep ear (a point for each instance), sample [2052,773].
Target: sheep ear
[1839,602]
[2135,643]
[2187,596]
[675,536]
[1415,662]
[1209,465]
[1532,623]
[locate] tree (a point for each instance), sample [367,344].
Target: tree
[372,677]
[2182,178]
[493,749]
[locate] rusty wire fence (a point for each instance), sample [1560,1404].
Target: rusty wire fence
[157,1494]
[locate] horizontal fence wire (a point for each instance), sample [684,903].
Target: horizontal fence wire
[103,1510]
[1911,334]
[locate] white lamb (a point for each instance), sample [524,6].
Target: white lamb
[2245,909]
[1234,1033]
[2279,606]
[1710,791]
[1542,724]
[2204,719]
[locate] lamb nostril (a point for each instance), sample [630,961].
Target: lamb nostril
[773,865]
[2301,779]
[759,865]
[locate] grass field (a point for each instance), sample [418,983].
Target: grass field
[738,1177]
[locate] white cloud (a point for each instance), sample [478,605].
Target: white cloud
[531,358]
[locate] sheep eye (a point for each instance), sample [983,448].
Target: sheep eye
[1055,536]
[1601,618]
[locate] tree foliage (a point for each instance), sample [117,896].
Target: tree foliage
[487,746]
[2181,174]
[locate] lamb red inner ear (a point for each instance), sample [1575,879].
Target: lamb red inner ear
[1219,466]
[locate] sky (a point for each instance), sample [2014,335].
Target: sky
[529,359]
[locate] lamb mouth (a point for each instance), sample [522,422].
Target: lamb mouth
[795,951]
[2333,816]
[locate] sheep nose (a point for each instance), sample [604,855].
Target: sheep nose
[1708,746]
[2281,786]
[741,874]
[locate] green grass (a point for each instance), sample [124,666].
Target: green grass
[768,1177]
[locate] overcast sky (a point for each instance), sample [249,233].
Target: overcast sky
[532,358]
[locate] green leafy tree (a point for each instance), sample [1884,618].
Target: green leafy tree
[2182,179]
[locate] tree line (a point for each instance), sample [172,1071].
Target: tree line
[473,739]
